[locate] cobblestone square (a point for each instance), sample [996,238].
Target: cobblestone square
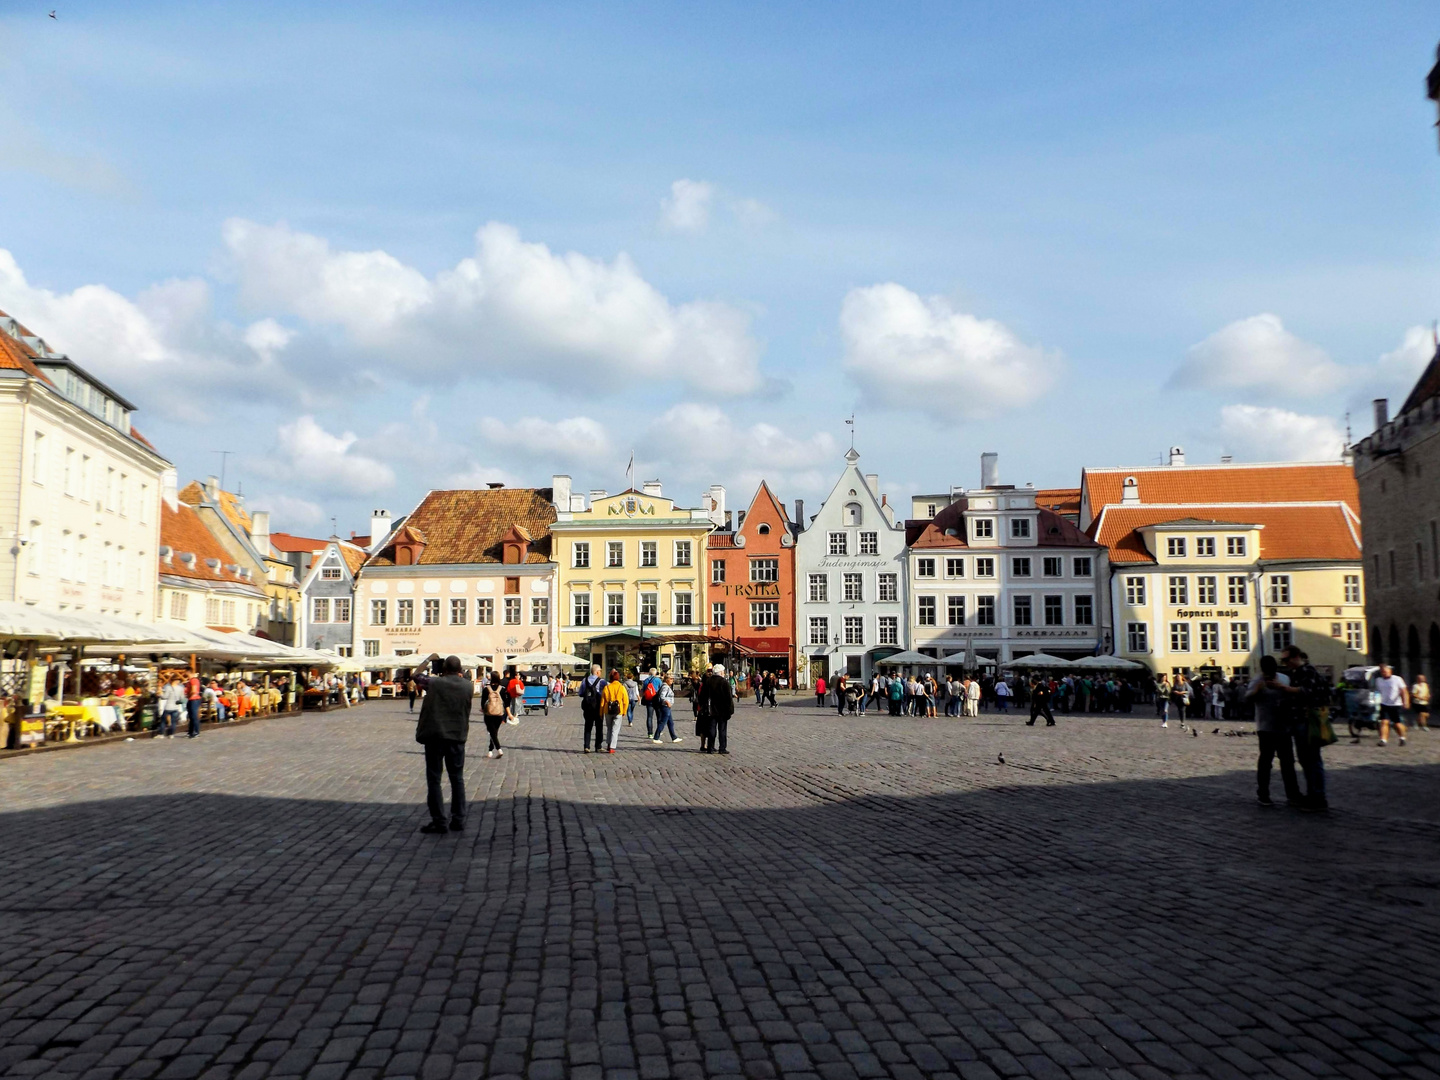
[838,898]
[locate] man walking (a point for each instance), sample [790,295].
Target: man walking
[1394,698]
[195,697]
[1312,693]
[590,691]
[442,729]
[719,705]
[1040,702]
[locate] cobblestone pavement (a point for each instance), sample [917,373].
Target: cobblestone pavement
[836,899]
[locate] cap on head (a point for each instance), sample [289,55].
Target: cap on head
[719,669]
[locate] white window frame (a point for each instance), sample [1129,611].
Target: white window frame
[580,555]
[925,567]
[485,611]
[839,543]
[820,630]
[986,611]
[1235,547]
[320,609]
[887,588]
[539,611]
[717,614]
[649,554]
[985,566]
[927,611]
[614,609]
[852,587]
[887,630]
[682,605]
[684,553]
[765,570]
[1279,589]
[854,629]
[1137,638]
[1179,637]
[579,609]
[1240,637]
[379,612]
[1205,549]
[819,589]
[764,614]
[1176,547]
[954,566]
[614,554]
[513,610]
[869,543]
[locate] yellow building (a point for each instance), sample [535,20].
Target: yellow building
[631,586]
[1212,586]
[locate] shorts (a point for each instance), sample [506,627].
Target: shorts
[1392,713]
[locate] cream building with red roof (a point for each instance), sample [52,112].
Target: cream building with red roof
[1214,565]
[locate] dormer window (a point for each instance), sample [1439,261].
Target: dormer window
[984,528]
[763,530]
[1020,528]
[852,514]
[1175,547]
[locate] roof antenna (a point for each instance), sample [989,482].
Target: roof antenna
[851,425]
[224,455]
[1348,440]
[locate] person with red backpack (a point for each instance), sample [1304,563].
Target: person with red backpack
[650,698]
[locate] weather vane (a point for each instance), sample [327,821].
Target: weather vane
[851,425]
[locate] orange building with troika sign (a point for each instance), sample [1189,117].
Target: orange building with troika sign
[751,586]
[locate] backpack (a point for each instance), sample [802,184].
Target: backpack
[649,693]
[494,703]
[590,692]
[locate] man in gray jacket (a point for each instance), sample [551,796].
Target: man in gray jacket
[442,729]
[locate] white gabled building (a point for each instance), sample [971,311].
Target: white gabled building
[850,595]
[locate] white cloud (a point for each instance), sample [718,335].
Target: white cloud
[703,443]
[309,457]
[1397,371]
[687,208]
[1258,433]
[287,513]
[1258,353]
[514,309]
[576,438]
[911,352]
[475,475]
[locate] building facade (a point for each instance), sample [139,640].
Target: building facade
[469,571]
[994,573]
[80,510]
[1256,558]
[632,576]
[199,584]
[850,582]
[327,592]
[752,585]
[1398,470]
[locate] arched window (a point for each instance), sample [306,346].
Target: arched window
[763,530]
[852,513]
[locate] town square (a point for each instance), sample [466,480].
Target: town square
[625,542]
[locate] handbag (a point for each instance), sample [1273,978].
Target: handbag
[1322,732]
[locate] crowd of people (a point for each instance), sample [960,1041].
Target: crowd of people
[969,695]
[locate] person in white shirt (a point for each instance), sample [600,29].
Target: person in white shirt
[1394,697]
[972,697]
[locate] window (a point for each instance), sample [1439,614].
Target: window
[649,609]
[122,504]
[614,609]
[87,486]
[378,612]
[985,611]
[1020,528]
[144,510]
[404,612]
[648,554]
[1023,614]
[1053,566]
[869,543]
[1352,588]
[717,615]
[614,553]
[954,567]
[212,611]
[1355,636]
[1082,566]
[1281,635]
[458,607]
[68,477]
[1209,637]
[985,566]
[1204,549]
[341,609]
[512,611]
[683,608]
[1179,590]
[37,459]
[854,588]
[925,611]
[1207,590]
[330,573]
[1335,630]
[955,611]
[1084,611]
[539,610]
[819,630]
[717,571]
[929,510]
[179,605]
[839,543]
[1235,547]
[887,588]
[1179,637]
[1279,589]
[819,588]
[320,610]
[371,646]
[112,500]
[924,567]
[763,529]
[889,627]
[1054,611]
[1240,637]
[984,528]
[580,555]
[579,608]
[852,514]
[431,613]
[485,611]
[682,552]
[1237,589]
[854,630]
[764,614]
[1175,547]
[767,570]
[1020,566]
[1137,637]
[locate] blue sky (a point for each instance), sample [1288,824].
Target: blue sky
[374,250]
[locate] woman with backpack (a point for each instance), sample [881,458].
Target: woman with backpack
[492,707]
[664,702]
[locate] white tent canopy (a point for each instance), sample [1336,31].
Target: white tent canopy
[546,659]
[908,658]
[1106,663]
[1038,661]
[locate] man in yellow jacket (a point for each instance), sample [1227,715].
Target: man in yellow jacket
[614,704]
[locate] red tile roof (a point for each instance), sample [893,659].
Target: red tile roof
[1320,531]
[467,525]
[1053,530]
[231,505]
[1061,500]
[184,533]
[290,542]
[1300,482]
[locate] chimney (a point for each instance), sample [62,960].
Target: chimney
[872,481]
[577,503]
[1177,455]
[713,503]
[800,514]
[596,494]
[729,521]
[989,469]
[651,488]
[169,489]
[495,485]
[379,528]
[212,489]
[560,491]
[260,531]
[1382,412]
[1130,492]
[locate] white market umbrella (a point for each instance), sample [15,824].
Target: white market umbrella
[1106,663]
[546,659]
[1037,661]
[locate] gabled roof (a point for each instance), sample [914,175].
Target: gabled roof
[290,542]
[228,503]
[1052,530]
[1210,485]
[184,533]
[1427,386]
[354,557]
[467,525]
[1307,531]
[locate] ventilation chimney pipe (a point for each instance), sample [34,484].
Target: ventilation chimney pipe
[560,491]
[989,469]
[872,481]
[1382,412]
[652,488]
[169,489]
[379,528]
[260,531]
[1177,455]
[800,514]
